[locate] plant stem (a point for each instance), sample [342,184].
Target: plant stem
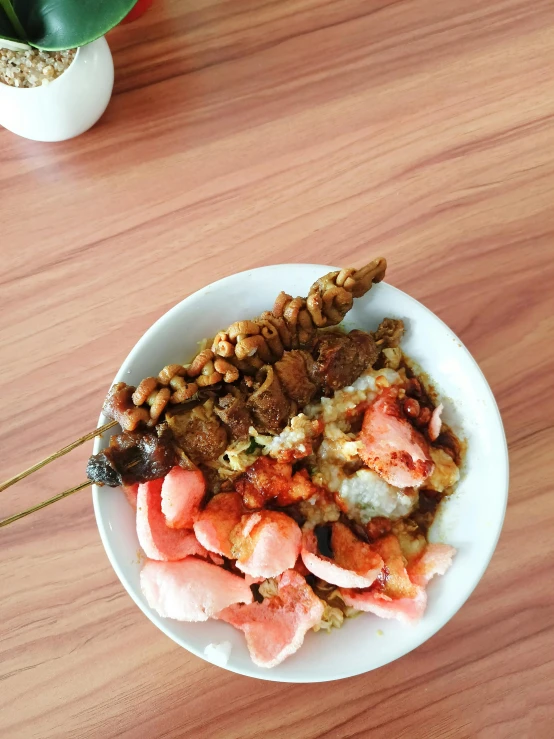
[14,20]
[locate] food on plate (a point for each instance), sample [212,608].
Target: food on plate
[215,523]
[391,446]
[131,493]
[235,376]
[405,598]
[266,543]
[157,539]
[286,478]
[354,564]
[276,627]
[131,458]
[182,494]
[191,589]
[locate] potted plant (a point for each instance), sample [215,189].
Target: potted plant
[56,69]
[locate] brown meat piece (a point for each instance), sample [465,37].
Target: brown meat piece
[199,433]
[235,415]
[341,358]
[268,403]
[131,458]
[389,333]
[292,371]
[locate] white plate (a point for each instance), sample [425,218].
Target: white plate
[470,520]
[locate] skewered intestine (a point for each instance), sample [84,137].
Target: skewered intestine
[131,406]
[245,347]
[293,321]
[119,406]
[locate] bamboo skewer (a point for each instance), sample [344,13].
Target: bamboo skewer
[45,503]
[43,463]
[56,455]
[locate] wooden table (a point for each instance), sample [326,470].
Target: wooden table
[249,133]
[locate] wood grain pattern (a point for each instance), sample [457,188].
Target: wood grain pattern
[246,133]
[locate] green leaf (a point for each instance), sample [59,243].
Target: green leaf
[65,24]
[10,27]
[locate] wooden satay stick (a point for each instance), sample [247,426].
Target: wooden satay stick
[56,455]
[45,503]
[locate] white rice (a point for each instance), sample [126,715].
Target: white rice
[367,495]
[294,436]
[334,410]
[364,494]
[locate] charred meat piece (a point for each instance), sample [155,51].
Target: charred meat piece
[119,406]
[341,358]
[199,433]
[264,480]
[389,333]
[292,371]
[268,404]
[131,458]
[267,479]
[232,410]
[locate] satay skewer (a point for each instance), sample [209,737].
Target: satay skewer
[45,503]
[56,455]
[329,299]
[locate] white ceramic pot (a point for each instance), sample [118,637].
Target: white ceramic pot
[69,105]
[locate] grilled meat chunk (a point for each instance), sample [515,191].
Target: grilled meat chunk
[232,410]
[292,371]
[341,358]
[199,433]
[268,403]
[131,458]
